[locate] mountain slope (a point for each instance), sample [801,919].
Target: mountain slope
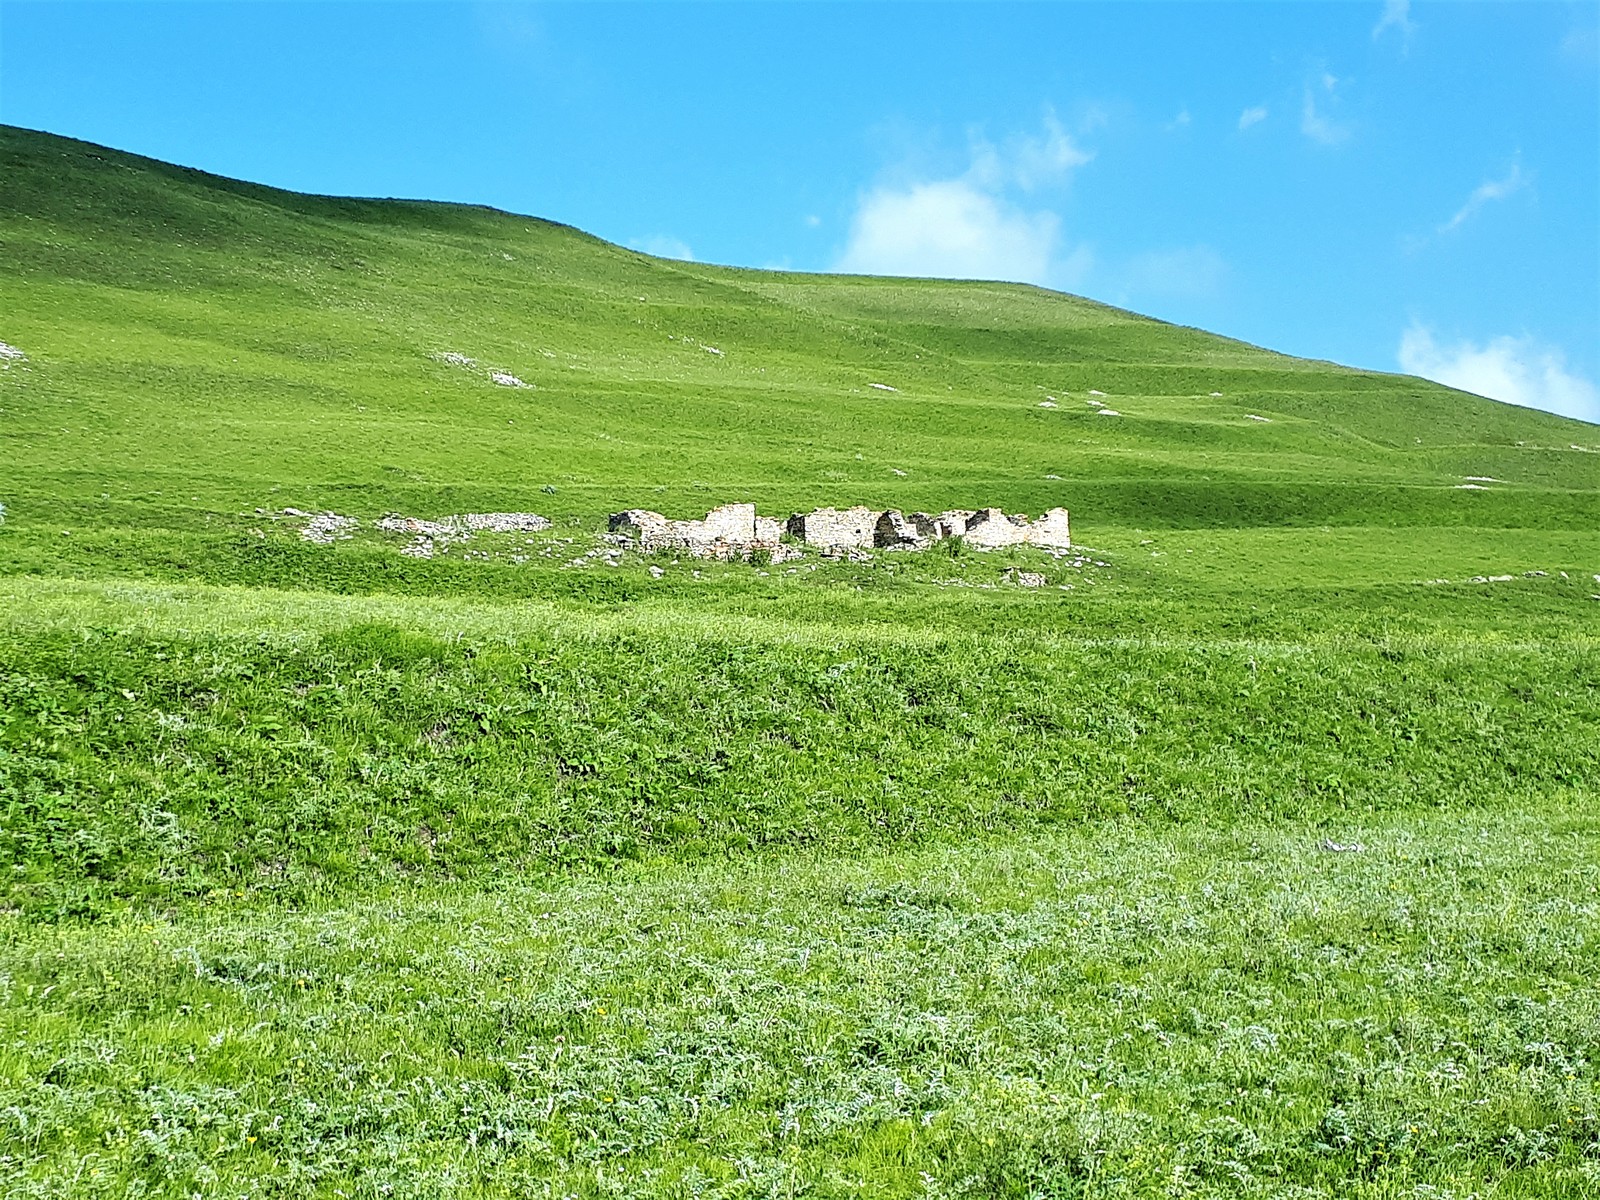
[190,335]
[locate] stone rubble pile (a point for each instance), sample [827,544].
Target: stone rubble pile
[325,528]
[1027,579]
[430,536]
[10,354]
[736,531]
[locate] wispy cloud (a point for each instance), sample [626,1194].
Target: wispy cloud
[1181,121]
[663,246]
[1315,123]
[974,225]
[1582,45]
[1253,115]
[1518,370]
[1486,192]
[1396,16]
[1028,161]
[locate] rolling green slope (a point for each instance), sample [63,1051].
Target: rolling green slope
[195,344]
[1253,853]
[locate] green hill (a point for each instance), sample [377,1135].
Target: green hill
[193,336]
[1253,853]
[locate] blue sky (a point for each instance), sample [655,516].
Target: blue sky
[1390,185]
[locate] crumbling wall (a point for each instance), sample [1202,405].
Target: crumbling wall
[896,531]
[1051,530]
[835,529]
[990,528]
[728,531]
[737,531]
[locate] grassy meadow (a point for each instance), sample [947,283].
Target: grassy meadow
[1257,853]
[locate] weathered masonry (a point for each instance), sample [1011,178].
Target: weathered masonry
[736,531]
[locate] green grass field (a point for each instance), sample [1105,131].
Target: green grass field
[1255,854]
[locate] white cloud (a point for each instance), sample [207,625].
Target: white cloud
[1189,272]
[1181,121]
[1396,16]
[663,246]
[1026,160]
[951,228]
[1316,125]
[1252,116]
[1518,370]
[1490,189]
[812,221]
[972,226]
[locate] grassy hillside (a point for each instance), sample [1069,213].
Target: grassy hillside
[1253,854]
[198,347]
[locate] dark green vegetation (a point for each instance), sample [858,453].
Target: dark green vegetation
[1244,858]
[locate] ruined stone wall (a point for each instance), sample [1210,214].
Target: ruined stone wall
[729,531]
[737,531]
[833,529]
[1051,530]
[990,528]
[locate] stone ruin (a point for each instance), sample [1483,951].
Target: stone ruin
[730,531]
[736,531]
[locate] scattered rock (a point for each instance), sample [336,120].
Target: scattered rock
[1108,412]
[506,379]
[1333,847]
[1047,404]
[1254,417]
[10,354]
[455,360]
[505,522]
[325,528]
[1027,579]
[464,526]
[1095,392]
[434,537]
[883,387]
